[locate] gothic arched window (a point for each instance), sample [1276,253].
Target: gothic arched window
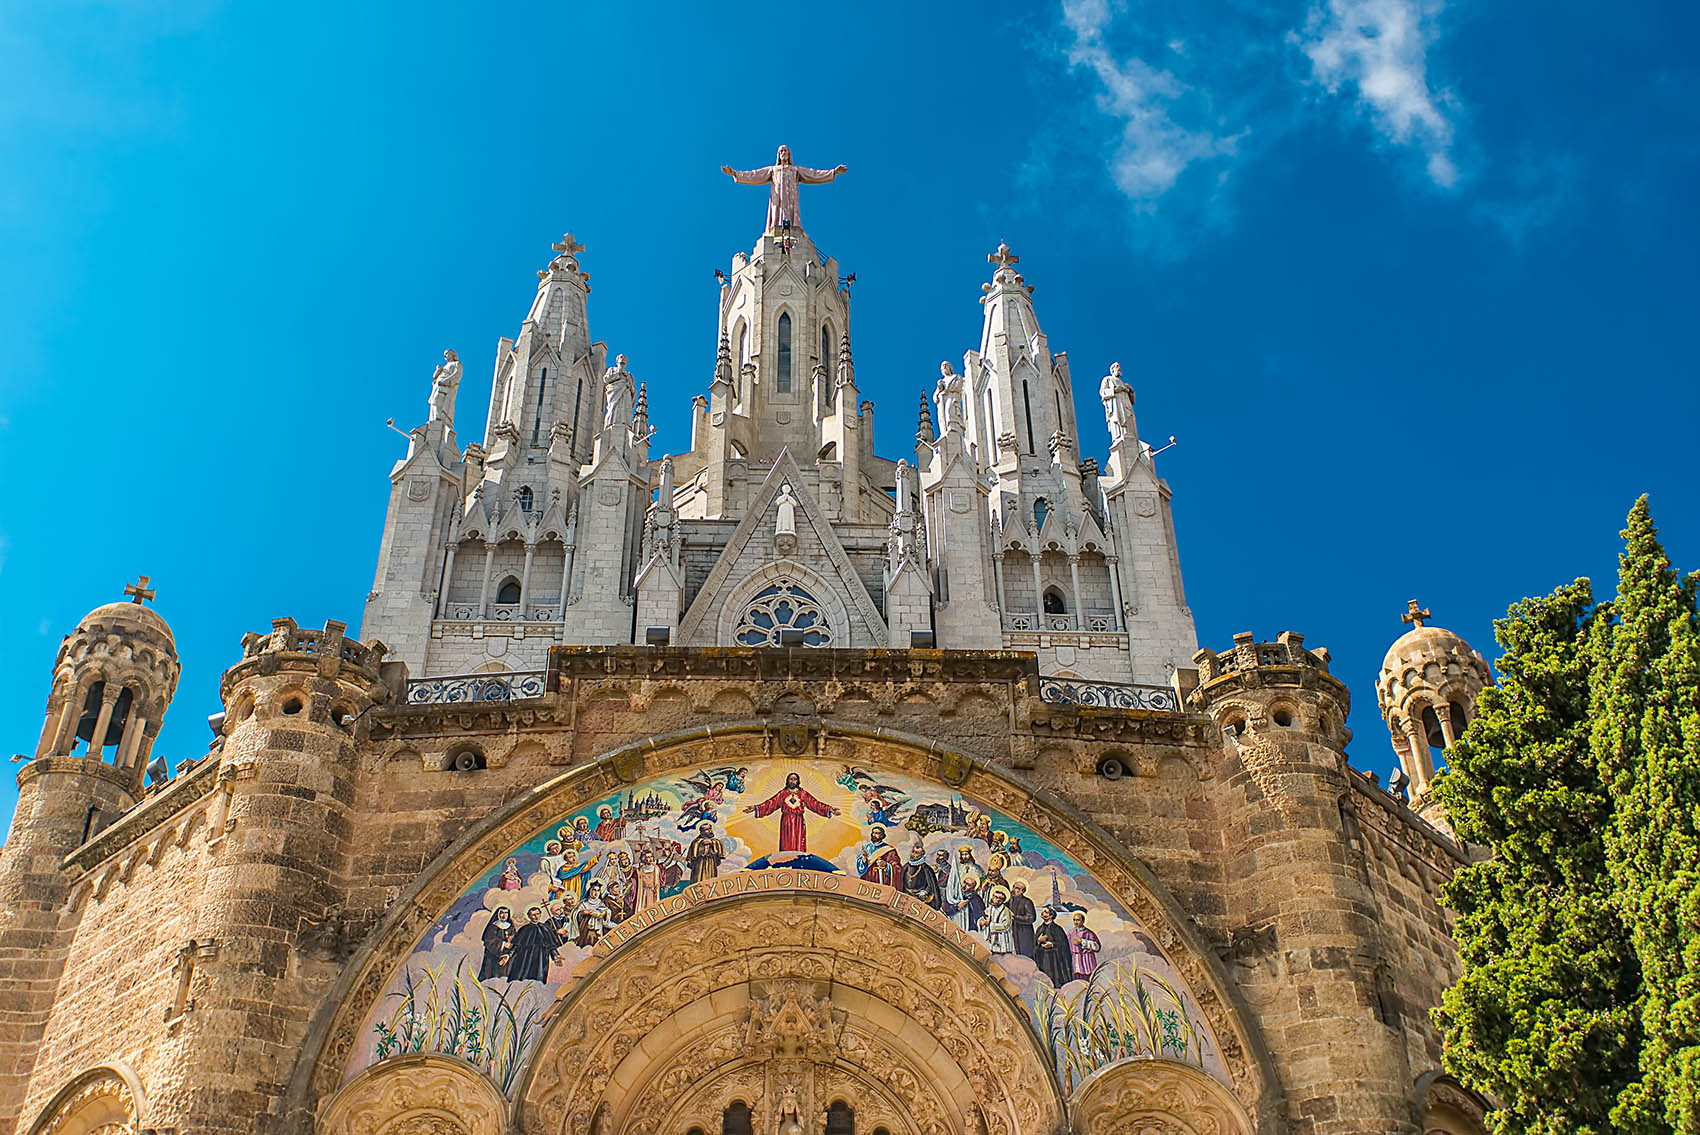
[525,500]
[840,1119]
[1054,603]
[1041,509]
[780,608]
[509,591]
[826,345]
[782,379]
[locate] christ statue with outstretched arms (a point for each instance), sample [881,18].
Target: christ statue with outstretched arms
[783,177]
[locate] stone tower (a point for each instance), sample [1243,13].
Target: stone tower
[112,683]
[1288,800]
[1427,692]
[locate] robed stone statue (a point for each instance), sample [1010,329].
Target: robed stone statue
[782,177]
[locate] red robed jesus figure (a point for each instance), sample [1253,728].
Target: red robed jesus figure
[791,802]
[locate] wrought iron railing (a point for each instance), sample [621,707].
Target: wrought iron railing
[452,689]
[1109,695]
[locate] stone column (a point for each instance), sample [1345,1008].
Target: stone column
[1038,594]
[448,577]
[484,587]
[66,728]
[131,741]
[97,741]
[566,577]
[1443,712]
[1079,599]
[1119,617]
[997,582]
[525,580]
[1422,768]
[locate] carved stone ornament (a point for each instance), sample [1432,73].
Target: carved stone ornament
[416,1095]
[1156,1097]
[787,1004]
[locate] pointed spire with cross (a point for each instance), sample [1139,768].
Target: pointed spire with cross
[139,591]
[1414,613]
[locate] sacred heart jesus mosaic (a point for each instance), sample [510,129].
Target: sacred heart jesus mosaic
[502,956]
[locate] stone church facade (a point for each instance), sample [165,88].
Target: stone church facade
[771,787]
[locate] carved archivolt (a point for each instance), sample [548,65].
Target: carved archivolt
[1156,1097]
[416,1095]
[814,994]
[101,1101]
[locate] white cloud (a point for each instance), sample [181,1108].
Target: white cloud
[1381,48]
[1154,149]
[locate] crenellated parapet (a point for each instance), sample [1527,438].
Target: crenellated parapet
[1279,685]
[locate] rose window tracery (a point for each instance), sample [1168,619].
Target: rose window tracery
[782,607]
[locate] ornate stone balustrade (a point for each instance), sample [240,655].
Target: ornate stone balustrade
[449,689]
[1109,695]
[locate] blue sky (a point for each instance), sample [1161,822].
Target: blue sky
[1414,285]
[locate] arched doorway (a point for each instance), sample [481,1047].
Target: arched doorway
[789,1003]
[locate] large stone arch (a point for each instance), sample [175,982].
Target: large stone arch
[107,1100]
[818,992]
[342,1019]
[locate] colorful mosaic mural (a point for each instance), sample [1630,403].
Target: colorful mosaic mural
[482,982]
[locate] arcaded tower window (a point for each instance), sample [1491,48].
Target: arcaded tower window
[509,591]
[781,608]
[840,1120]
[782,383]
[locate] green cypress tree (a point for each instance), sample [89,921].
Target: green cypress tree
[1544,1015]
[1646,739]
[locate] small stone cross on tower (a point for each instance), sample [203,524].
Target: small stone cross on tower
[1003,257]
[139,591]
[567,246]
[1414,613]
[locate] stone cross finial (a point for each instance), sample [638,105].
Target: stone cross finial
[567,245]
[1003,257]
[139,591]
[1414,613]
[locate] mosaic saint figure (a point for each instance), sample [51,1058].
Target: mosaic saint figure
[995,864]
[563,913]
[644,889]
[535,945]
[878,861]
[997,923]
[705,854]
[1051,949]
[1023,914]
[1084,946]
[550,861]
[973,903]
[609,827]
[571,875]
[920,881]
[792,803]
[593,917]
[498,945]
[510,880]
